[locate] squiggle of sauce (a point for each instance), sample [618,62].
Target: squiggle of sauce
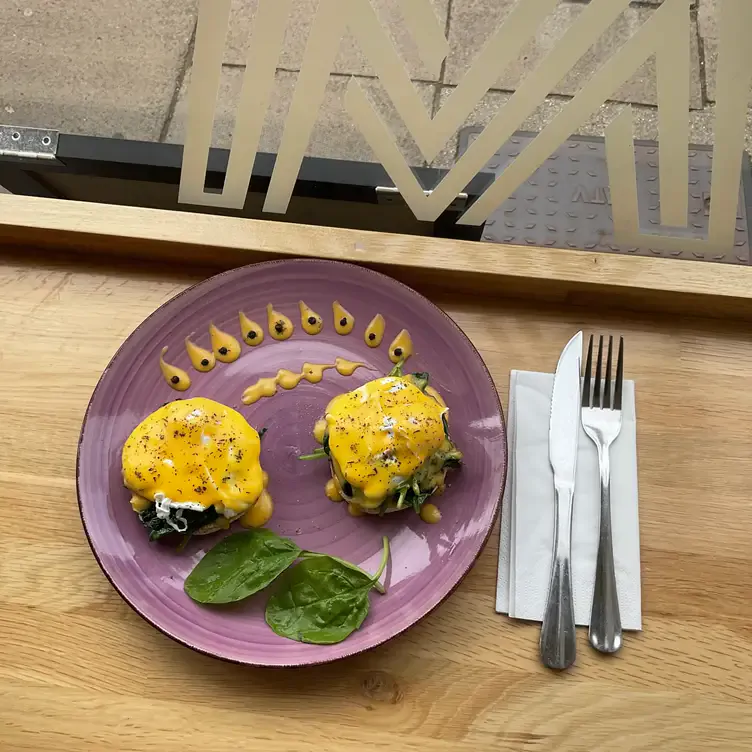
[311,372]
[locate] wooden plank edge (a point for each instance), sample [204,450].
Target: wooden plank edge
[581,277]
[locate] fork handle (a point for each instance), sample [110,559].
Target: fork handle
[605,619]
[558,647]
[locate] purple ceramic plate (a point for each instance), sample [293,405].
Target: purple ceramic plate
[427,561]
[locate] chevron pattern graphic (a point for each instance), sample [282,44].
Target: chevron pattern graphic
[665,35]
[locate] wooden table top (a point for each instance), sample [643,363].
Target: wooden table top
[80,671]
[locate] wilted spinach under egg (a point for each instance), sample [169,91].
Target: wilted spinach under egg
[159,527]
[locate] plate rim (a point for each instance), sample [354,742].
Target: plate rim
[380,641]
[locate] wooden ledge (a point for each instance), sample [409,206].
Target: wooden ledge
[693,288]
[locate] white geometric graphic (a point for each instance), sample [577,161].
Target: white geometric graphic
[666,34]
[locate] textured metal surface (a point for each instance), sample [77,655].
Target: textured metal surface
[566,202]
[27,143]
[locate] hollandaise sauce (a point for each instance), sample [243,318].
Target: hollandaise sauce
[280,326]
[311,322]
[381,433]
[343,320]
[375,331]
[311,372]
[226,348]
[401,347]
[176,377]
[332,490]
[252,333]
[201,359]
[193,454]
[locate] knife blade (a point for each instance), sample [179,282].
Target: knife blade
[558,647]
[564,426]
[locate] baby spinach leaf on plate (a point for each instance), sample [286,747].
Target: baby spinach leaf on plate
[240,565]
[315,555]
[322,600]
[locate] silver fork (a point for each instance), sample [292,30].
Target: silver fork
[601,419]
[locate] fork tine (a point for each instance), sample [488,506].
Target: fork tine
[597,385]
[607,385]
[619,375]
[588,367]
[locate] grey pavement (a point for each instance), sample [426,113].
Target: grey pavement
[121,69]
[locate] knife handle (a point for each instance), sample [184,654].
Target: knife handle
[558,647]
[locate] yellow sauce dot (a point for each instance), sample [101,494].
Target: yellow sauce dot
[355,510]
[252,333]
[226,347]
[201,359]
[311,322]
[176,377]
[139,503]
[401,347]
[319,430]
[314,372]
[343,321]
[260,513]
[346,367]
[332,490]
[430,513]
[266,387]
[280,327]
[375,331]
[287,379]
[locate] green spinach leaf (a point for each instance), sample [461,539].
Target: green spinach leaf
[420,380]
[322,600]
[315,555]
[240,565]
[181,521]
[319,452]
[397,369]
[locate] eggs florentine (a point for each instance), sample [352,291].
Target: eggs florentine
[388,444]
[193,467]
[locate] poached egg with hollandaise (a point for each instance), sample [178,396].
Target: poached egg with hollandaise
[388,444]
[192,467]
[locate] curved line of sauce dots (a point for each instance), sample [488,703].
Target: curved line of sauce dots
[226,349]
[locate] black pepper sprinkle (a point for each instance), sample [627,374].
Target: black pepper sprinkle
[311,320]
[398,351]
[372,336]
[343,322]
[204,362]
[279,327]
[223,351]
[251,335]
[175,379]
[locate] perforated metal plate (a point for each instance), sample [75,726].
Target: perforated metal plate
[566,202]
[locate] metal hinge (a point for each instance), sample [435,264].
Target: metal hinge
[387,194]
[28,143]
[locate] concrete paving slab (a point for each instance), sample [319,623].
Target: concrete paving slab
[473,21]
[334,135]
[707,19]
[104,69]
[350,59]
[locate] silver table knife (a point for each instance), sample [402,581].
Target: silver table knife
[558,639]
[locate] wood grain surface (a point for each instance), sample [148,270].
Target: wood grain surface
[80,671]
[638,283]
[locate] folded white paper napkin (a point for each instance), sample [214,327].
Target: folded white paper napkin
[527,518]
